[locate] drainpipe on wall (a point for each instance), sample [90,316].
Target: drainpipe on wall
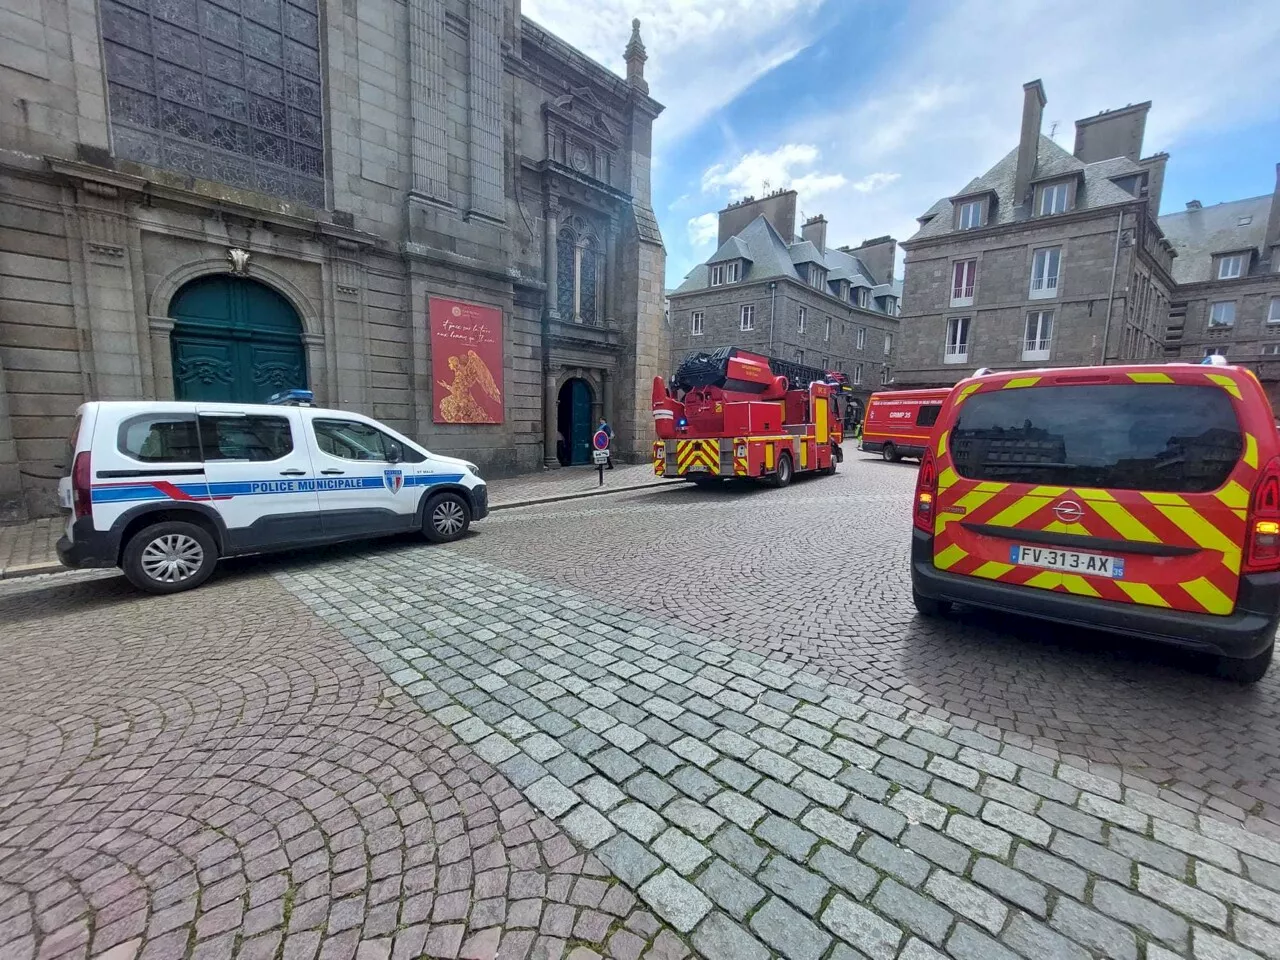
[1111,295]
[773,297]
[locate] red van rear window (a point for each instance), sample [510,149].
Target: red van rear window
[1159,437]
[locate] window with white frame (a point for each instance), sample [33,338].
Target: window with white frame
[864,297]
[892,307]
[964,275]
[747,317]
[717,275]
[695,323]
[969,215]
[1039,335]
[1053,198]
[799,356]
[826,329]
[1271,349]
[804,315]
[862,338]
[731,271]
[857,374]
[1273,314]
[1222,313]
[1215,351]
[888,344]
[1045,266]
[957,349]
[1229,268]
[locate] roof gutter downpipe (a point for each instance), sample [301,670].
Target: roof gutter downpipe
[1111,295]
[773,297]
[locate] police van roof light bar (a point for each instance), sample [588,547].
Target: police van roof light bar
[293,398]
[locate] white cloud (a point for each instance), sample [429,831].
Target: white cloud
[703,229]
[758,172]
[874,181]
[701,55]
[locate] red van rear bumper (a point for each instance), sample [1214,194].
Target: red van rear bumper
[1245,632]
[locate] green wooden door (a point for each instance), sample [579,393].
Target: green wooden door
[234,341]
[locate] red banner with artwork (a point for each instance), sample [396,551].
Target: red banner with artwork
[466,361]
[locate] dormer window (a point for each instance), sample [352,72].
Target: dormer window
[722,273]
[1232,267]
[817,276]
[969,215]
[1054,198]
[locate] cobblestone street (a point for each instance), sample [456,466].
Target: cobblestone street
[661,723]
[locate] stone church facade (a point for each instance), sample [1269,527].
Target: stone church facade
[212,199]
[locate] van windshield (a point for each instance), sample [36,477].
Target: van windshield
[1158,437]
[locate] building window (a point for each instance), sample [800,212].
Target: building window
[957,340]
[1053,198]
[587,273]
[1039,334]
[799,356]
[747,318]
[1215,351]
[969,216]
[1271,349]
[732,270]
[826,330]
[1273,314]
[964,274]
[864,296]
[862,338]
[816,276]
[566,273]
[200,89]
[824,362]
[857,374]
[695,323]
[804,315]
[577,273]
[888,344]
[1229,268]
[1222,313]
[884,376]
[1045,264]
[717,275]
[891,306]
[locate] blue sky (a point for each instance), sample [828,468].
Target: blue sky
[873,109]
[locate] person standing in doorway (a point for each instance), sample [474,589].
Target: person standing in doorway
[604,425]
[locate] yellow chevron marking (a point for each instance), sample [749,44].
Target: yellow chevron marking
[1017,382]
[946,479]
[1142,593]
[991,486]
[1233,495]
[1150,378]
[1046,580]
[948,558]
[964,394]
[1208,596]
[1078,585]
[1170,499]
[942,444]
[1018,511]
[1226,383]
[1202,533]
[1047,491]
[971,501]
[1251,450]
[992,570]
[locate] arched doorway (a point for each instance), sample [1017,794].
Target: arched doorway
[573,420]
[234,340]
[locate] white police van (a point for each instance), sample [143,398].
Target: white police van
[163,489]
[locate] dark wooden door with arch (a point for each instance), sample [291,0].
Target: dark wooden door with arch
[234,341]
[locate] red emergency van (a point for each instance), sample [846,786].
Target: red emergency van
[898,422]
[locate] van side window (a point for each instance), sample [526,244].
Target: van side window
[159,438]
[928,414]
[253,438]
[352,440]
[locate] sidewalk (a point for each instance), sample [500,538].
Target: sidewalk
[27,549]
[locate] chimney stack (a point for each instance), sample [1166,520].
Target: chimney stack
[1033,101]
[1193,204]
[1112,133]
[1273,222]
[815,231]
[879,255]
[779,208]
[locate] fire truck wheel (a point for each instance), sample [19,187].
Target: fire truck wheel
[928,607]
[890,453]
[782,476]
[831,470]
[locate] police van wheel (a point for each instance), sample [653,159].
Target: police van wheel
[890,453]
[169,557]
[782,475]
[1246,671]
[446,518]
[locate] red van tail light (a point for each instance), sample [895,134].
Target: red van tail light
[81,486]
[926,494]
[1262,552]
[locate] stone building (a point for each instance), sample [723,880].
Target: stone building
[212,200]
[1227,298]
[1050,258]
[793,297]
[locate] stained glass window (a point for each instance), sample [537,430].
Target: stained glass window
[564,274]
[588,280]
[197,87]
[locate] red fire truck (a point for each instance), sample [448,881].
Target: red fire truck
[730,413]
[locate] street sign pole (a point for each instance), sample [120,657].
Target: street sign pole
[601,452]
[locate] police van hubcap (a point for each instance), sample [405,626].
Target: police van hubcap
[172,558]
[448,517]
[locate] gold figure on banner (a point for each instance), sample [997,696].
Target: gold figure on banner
[460,406]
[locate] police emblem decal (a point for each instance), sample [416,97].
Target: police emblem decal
[393,480]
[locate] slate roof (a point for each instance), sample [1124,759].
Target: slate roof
[1096,188]
[1198,234]
[768,256]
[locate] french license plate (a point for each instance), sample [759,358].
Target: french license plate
[699,468]
[1069,561]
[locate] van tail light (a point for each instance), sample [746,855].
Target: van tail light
[81,486]
[926,494]
[1262,552]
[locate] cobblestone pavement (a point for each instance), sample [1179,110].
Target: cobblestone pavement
[763,810]
[816,576]
[27,546]
[220,774]
[568,480]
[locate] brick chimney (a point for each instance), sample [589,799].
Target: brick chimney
[1033,101]
[878,254]
[815,231]
[779,208]
[1112,133]
[1273,222]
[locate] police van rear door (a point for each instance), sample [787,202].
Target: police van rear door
[260,474]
